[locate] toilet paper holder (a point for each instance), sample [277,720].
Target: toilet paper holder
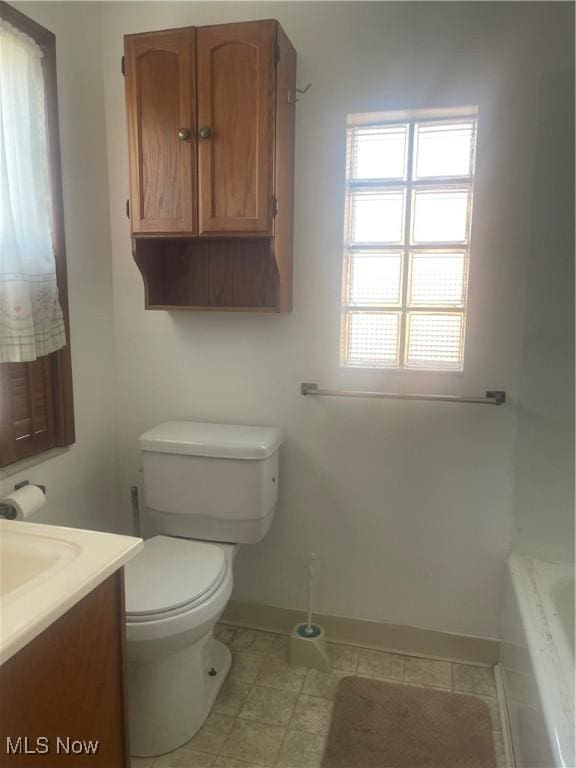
[9,511]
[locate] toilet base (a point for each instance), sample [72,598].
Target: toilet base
[221,660]
[171,696]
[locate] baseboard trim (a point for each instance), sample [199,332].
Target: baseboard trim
[368,634]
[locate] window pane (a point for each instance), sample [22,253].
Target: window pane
[379,152]
[443,149]
[440,216]
[375,278]
[377,217]
[437,278]
[435,341]
[372,338]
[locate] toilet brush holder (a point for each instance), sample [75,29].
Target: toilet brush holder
[307,647]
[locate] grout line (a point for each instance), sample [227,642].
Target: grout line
[403,675]
[287,729]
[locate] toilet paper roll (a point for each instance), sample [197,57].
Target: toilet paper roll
[26,501]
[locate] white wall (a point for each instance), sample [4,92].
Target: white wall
[408,505]
[80,482]
[544,468]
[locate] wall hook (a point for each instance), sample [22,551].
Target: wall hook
[292,97]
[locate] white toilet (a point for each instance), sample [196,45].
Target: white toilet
[207,489]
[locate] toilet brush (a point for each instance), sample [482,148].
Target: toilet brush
[309,629]
[307,646]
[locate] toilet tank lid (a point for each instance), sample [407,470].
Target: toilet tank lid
[223,441]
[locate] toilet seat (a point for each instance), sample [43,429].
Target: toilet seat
[172,576]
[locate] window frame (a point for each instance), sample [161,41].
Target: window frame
[56,368]
[408,186]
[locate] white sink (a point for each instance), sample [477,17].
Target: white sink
[45,570]
[26,557]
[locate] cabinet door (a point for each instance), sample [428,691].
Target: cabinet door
[236,101]
[160,105]
[70,683]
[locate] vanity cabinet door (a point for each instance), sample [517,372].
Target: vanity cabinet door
[159,69]
[65,693]
[236,104]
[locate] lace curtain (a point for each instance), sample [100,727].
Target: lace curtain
[31,322]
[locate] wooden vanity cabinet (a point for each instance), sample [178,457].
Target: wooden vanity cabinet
[211,144]
[69,683]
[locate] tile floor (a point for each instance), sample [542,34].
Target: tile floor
[270,713]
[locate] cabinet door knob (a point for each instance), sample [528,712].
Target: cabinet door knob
[205,132]
[184,134]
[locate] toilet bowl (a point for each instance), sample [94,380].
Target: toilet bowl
[176,590]
[208,487]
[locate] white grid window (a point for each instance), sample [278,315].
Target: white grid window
[407,236]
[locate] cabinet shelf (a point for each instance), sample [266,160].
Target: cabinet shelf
[240,275]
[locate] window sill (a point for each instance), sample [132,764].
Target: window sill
[396,371]
[24,464]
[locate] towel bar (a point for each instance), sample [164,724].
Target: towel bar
[492,397]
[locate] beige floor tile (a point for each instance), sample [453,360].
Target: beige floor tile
[254,742]
[494,712]
[229,762]
[322,684]
[279,648]
[312,714]
[231,698]
[429,672]
[211,736]
[278,673]
[184,758]
[473,679]
[245,667]
[301,750]
[141,762]
[499,750]
[380,664]
[269,705]
[224,633]
[252,641]
[343,657]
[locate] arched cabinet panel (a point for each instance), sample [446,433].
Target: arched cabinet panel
[160,97]
[236,108]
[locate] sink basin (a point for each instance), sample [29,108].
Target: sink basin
[25,557]
[47,569]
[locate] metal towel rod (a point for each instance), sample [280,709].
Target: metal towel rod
[493,397]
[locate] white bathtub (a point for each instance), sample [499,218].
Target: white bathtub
[537,657]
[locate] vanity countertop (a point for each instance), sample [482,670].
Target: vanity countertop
[45,570]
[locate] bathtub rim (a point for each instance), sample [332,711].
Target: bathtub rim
[555,689]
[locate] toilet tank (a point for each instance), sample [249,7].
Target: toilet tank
[217,482]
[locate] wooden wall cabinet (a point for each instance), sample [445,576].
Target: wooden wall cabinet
[211,146]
